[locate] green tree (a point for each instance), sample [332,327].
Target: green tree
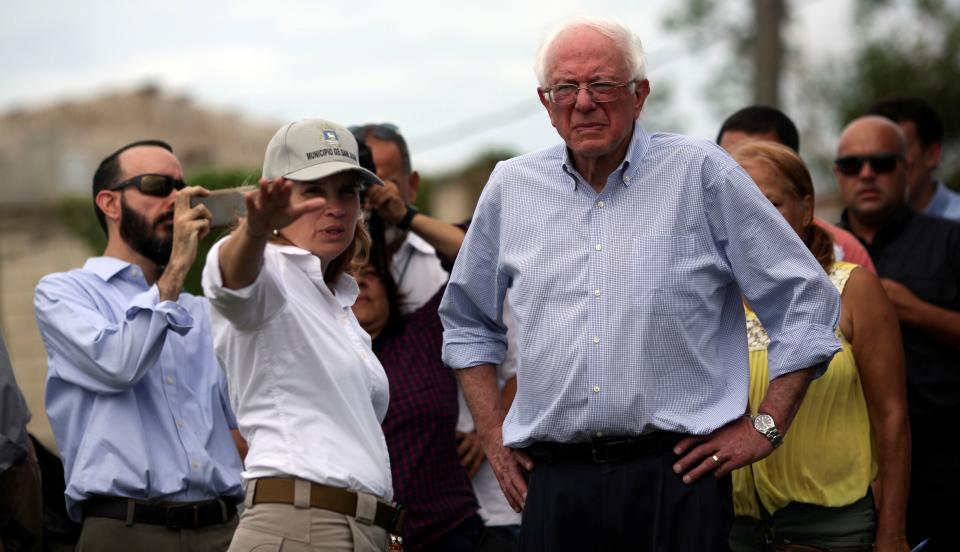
[753,33]
[907,48]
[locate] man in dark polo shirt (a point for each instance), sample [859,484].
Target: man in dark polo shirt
[918,259]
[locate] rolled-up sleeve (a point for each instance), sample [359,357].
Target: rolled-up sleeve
[104,355]
[471,310]
[784,284]
[246,308]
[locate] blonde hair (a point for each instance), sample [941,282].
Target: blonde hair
[353,256]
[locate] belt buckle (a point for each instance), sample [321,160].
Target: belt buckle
[183,517]
[604,452]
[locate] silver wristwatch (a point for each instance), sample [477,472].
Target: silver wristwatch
[765,425]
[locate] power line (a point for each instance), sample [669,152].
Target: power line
[499,118]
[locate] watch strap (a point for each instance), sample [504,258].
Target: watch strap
[404,223]
[770,432]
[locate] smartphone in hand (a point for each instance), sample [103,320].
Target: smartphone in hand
[225,205]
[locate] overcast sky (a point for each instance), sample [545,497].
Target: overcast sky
[456,77]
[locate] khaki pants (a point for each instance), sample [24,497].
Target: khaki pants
[109,535]
[21,505]
[288,528]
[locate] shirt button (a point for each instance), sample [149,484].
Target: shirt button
[598,247]
[626,178]
[344,321]
[195,464]
[596,293]
[599,434]
[180,423]
[596,389]
[363,355]
[600,204]
[596,339]
[169,380]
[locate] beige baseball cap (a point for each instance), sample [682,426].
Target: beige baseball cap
[311,149]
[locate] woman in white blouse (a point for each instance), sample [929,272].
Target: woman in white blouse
[308,392]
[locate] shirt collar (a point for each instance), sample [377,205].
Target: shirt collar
[629,168]
[107,267]
[303,259]
[345,289]
[939,201]
[418,243]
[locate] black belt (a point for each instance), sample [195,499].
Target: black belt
[175,515]
[607,449]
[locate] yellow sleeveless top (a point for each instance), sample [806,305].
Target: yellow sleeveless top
[828,456]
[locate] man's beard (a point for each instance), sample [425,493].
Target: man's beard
[139,234]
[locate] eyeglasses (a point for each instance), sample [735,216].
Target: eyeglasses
[599,91]
[881,163]
[159,185]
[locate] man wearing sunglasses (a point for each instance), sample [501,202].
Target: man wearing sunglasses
[135,395]
[923,128]
[918,259]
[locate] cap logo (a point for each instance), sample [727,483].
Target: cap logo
[330,135]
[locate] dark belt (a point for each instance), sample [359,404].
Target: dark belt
[175,515]
[342,501]
[605,450]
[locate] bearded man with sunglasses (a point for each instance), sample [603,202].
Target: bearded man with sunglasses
[918,259]
[135,395]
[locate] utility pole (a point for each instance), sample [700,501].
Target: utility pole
[769,17]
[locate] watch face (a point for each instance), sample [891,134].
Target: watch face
[763,422]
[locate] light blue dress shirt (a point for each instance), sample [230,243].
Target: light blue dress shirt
[945,203]
[136,398]
[628,302]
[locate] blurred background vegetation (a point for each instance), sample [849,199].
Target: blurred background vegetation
[899,47]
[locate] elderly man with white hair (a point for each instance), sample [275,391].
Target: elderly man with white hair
[625,257]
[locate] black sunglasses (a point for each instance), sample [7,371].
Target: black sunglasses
[380,131]
[159,185]
[881,163]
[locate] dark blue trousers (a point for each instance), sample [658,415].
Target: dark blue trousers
[637,505]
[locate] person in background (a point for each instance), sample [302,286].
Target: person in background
[923,129]
[625,256]
[21,499]
[851,428]
[428,478]
[308,391]
[413,240]
[135,395]
[760,122]
[918,261]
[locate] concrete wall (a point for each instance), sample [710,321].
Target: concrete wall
[32,243]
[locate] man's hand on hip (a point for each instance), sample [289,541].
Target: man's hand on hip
[506,464]
[732,446]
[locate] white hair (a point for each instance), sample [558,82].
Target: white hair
[629,44]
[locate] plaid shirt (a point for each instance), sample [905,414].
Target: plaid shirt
[420,429]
